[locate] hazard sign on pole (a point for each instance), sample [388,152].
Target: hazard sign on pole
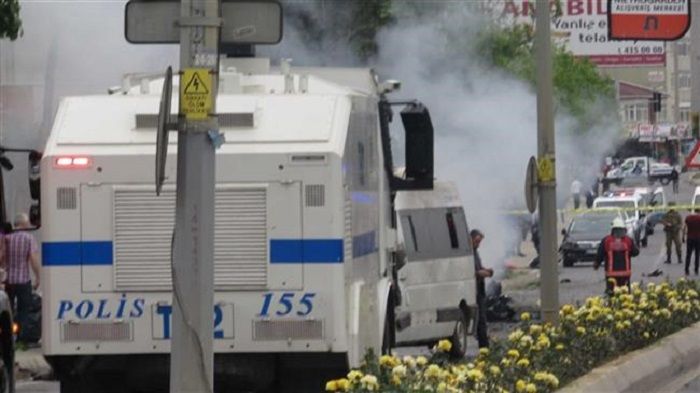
[661,20]
[693,159]
[195,93]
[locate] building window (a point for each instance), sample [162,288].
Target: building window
[638,112]
[684,114]
[682,48]
[684,79]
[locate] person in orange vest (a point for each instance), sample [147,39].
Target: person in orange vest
[616,251]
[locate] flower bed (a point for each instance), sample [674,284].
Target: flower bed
[540,357]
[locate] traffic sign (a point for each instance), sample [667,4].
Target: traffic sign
[531,194]
[665,20]
[164,126]
[693,159]
[195,93]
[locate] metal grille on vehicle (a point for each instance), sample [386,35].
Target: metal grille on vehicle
[226,120]
[284,330]
[96,331]
[315,195]
[143,225]
[66,198]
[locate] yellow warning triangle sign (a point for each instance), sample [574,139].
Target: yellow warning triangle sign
[196,85]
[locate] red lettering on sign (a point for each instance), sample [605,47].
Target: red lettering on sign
[574,7]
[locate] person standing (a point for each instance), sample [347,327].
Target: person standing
[674,180]
[616,251]
[22,254]
[672,223]
[576,193]
[691,234]
[481,274]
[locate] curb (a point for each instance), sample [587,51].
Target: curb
[31,363]
[645,370]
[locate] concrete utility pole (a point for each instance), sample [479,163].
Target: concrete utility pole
[192,358]
[695,65]
[549,286]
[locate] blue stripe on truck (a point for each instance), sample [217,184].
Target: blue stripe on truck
[97,253]
[76,253]
[306,251]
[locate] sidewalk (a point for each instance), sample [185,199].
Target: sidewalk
[30,364]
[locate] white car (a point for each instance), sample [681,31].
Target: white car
[630,203]
[696,197]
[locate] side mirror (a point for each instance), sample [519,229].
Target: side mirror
[563,232]
[35,215]
[419,145]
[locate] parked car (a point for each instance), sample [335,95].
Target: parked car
[639,169]
[584,233]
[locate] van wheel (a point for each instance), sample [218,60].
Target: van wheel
[567,262]
[665,181]
[459,337]
[644,242]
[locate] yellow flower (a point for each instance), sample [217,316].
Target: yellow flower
[526,341]
[495,370]
[559,347]
[515,335]
[620,326]
[395,380]
[343,385]
[581,330]
[399,370]
[505,362]
[421,361]
[525,316]
[388,361]
[523,363]
[369,382]
[444,346]
[442,387]
[646,335]
[355,376]
[513,353]
[535,329]
[475,375]
[433,371]
[531,388]
[483,351]
[567,309]
[331,386]
[520,385]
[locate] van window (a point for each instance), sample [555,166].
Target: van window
[454,241]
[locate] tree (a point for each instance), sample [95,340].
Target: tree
[10,23]
[577,82]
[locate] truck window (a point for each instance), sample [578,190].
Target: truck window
[454,241]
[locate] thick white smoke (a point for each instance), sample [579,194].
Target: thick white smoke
[485,123]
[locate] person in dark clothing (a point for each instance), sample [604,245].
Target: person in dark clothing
[616,251]
[691,233]
[481,274]
[674,180]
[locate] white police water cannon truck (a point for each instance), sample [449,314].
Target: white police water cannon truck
[310,268]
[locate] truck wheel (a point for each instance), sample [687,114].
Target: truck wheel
[567,262]
[459,337]
[644,242]
[665,181]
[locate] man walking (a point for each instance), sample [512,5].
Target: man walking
[22,254]
[616,251]
[481,274]
[672,223]
[576,193]
[691,233]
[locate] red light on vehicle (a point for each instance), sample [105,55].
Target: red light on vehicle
[81,161]
[72,162]
[64,161]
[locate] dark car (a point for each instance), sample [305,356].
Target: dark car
[582,237]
